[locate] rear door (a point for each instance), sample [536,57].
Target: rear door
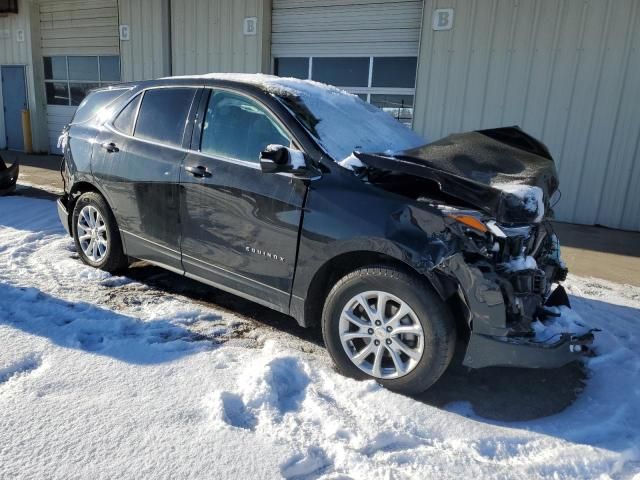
[239,225]
[137,162]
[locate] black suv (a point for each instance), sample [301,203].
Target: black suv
[304,198]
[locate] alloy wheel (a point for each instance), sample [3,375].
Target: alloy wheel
[92,234]
[381,334]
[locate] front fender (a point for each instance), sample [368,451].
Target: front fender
[410,234]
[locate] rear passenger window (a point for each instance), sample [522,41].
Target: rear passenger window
[163,115]
[126,120]
[94,102]
[238,128]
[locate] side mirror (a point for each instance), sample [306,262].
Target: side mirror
[278,158]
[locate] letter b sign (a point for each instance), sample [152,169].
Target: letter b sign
[442,19]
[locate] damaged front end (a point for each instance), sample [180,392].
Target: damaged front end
[512,298]
[8,177]
[493,188]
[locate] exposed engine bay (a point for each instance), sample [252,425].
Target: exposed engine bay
[500,254]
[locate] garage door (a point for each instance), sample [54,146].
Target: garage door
[80,49]
[369,48]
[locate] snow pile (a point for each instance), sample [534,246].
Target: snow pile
[532,197]
[94,363]
[568,320]
[520,263]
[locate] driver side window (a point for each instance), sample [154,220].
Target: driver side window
[238,128]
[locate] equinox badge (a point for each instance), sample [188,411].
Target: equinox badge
[264,253]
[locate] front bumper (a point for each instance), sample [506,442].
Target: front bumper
[487,351]
[63,214]
[496,338]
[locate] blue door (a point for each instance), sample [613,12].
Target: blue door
[14,97]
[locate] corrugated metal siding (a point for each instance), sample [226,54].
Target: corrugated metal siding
[566,71]
[79,27]
[146,55]
[13,52]
[76,27]
[339,27]
[206,36]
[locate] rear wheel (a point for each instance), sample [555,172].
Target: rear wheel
[385,324]
[96,235]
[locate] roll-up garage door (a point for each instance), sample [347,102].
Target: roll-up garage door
[368,47]
[80,49]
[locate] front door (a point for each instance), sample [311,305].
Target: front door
[240,226]
[137,161]
[14,97]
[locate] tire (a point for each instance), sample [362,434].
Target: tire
[109,255]
[396,371]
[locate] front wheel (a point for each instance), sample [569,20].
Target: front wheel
[385,324]
[96,235]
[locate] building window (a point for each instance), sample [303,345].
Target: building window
[68,79]
[386,82]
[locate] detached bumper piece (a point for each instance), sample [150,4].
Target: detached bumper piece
[8,177]
[485,351]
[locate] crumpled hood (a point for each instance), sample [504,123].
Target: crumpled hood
[489,169]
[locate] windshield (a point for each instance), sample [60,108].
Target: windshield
[342,123]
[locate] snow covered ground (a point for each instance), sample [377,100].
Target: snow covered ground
[106,377]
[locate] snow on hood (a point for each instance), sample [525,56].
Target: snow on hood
[351,162]
[532,198]
[339,121]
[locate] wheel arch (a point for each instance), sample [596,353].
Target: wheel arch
[81,187]
[337,267]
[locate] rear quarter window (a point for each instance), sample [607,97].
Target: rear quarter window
[94,102]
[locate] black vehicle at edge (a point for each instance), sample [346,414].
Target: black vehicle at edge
[234,180]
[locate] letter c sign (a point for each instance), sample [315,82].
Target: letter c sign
[442,19]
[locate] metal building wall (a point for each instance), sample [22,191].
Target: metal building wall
[566,71]
[358,27]
[146,55]
[207,36]
[12,51]
[25,53]
[76,27]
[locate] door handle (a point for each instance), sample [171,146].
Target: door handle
[198,171]
[110,147]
